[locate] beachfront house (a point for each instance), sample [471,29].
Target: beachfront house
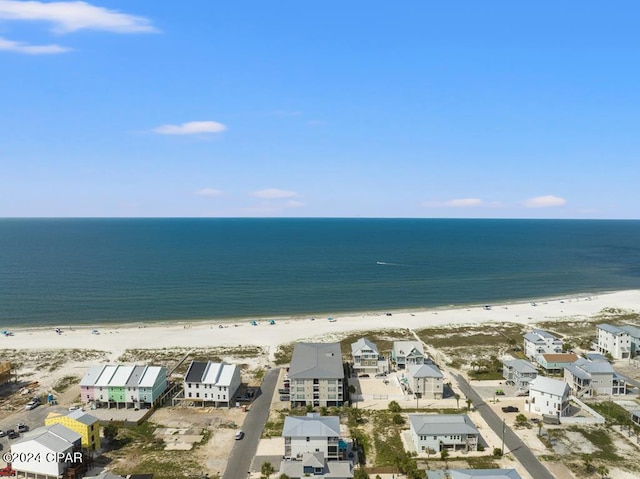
[79,421]
[548,397]
[406,353]
[593,378]
[211,383]
[474,474]
[614,341]
[123,386]
[634,336]
[541,342]
[519,373]
[555,363]
[366,358]
[48,452]
[432,433]
[424,380]
[311,434]
[317,375]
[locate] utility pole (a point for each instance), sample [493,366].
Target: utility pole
[503,429]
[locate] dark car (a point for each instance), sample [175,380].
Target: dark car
[11,434]
[510,409]
[22,427]
[363,376]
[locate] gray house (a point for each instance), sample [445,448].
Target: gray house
[435,432]
[310,434]
[366,358]
[592,378]
[519,373]
[315,465]
[405,353]
[317,375]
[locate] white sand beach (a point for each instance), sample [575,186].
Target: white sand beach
[206,334]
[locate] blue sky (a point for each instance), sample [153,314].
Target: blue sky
[348,109]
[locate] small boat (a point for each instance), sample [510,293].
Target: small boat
[253,323]
[272,322]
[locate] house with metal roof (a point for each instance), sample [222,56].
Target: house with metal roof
[539,341]
[474,474]
[614,341]
[405,353]
[315,465]
[316,375]
[432,433]
[312,433]
[80,422]
[635,417]
[211,383]
[123,386]
[424,380]
[555,363]
[48,452]
[548,396]
[594,378]
[634,336]
[519,373]
[366,358]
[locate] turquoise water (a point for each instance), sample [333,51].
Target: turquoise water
[70,271]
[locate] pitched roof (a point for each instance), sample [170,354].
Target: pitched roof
[55,437]
[136,374]
[439,424]
[520,365]
[92,376]
[632,330]
[539,335]
[473,473]
[549,386]
[615,330]
[402,348]
[594,367]
[311,425]
[424,371]
[362,343]
[331,469]
[560,358]
[81,416]
[316,361]
[151,375]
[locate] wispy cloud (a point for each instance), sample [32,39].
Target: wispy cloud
[191,128]
[274,193]
[294,204]
[21,47]
[69,17]
[544,201]
[208,192]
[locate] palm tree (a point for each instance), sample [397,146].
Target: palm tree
[469,402]
[267,469]
[457,396]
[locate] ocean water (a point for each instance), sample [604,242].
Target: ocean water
[87,271]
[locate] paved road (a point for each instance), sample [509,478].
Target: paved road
[512,443]
[244,451]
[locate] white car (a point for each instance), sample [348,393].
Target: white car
[31,405]
[239,435]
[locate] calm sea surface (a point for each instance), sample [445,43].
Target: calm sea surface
[71,271]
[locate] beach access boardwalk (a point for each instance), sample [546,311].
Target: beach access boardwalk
[245,449]
[512,443]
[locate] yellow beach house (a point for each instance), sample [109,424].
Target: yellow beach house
[79,421]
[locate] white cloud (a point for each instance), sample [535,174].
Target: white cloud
[544,201]
[73,16]
[274,193]
[191,128]
[208,192]
[21,47]
[294,204]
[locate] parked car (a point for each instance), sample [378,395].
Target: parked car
[381,375]
[7,472]
[22,427]
[2,433]
[499,392]
[284,391]
[239,435]
[510,409]
[11,434]
[285,397]
[363,376]
[32,405]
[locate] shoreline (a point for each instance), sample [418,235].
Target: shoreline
[110,324]
[116,339]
